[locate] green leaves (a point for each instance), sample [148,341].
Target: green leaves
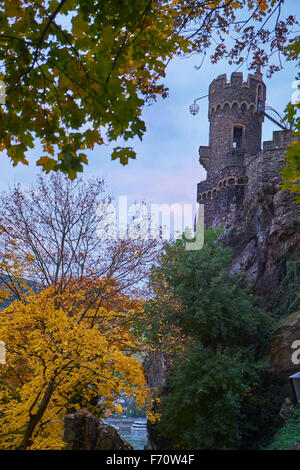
[100,65]
[47,163]
[123,153]
[17,154]
[215,395]
[79,25]
[291,171]
[215,310]
[68,163]
[90,68]
[202,408]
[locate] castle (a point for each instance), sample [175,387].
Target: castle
[237,168]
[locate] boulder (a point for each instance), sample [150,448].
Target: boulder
[83,431]
[286,410]
[281,350]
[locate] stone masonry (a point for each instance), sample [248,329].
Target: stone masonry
[236,165]
[261,224]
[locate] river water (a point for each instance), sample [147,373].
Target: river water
[138,439]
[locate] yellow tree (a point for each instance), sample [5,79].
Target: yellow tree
[69,290]
[52,348]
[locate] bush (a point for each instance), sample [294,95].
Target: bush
[288,437]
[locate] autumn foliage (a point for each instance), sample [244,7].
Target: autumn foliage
[69,303]
[78,73]
[55,350]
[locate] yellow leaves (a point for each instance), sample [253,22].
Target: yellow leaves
[214,4]
[234,5]
[263,5]
[118,408]
[153,417]
[50,341]
[48,147]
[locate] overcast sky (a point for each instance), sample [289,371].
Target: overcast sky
[167,167]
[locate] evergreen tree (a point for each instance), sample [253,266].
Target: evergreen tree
[216,396]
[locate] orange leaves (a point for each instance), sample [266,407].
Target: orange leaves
[48,147]
[263,5]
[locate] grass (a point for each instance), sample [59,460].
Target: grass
[288,437]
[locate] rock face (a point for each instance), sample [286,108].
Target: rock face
[281,349]
[286,410]
[155,367]
[266,228]
[82,431]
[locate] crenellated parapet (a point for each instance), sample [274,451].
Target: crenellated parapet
[281,139]
[236,91]
[234,105]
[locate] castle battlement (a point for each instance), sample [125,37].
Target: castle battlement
[281,139]
[229,177]
[236,79]
[236,90]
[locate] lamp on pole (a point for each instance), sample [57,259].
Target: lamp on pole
[295,383]
[194,108]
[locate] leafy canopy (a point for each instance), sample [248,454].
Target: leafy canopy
[78,72]
[193,291]
[68,332]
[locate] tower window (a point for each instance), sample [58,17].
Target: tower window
[237,137]
[260,102]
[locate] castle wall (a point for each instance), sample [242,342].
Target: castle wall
[266,231]
[230,190]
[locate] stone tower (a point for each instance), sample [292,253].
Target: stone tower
[261,223]
[235,133]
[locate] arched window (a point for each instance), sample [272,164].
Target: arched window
[259,98]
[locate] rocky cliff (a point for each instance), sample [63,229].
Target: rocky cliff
[284,351]
[265,233]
